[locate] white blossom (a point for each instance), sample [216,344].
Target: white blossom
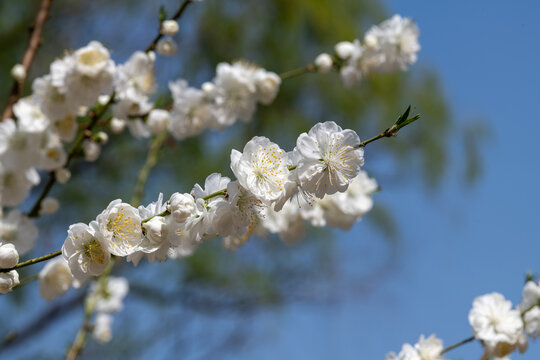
[426,349]
[234,91]
[101,137]
[19,149]
[530,308]
[267,84]
[62,175]
[110,298]
[89,72]
[30,118]
[391,45]
[85,252]
[18,72]
[102,331]
[158,121]
[49,205]
[117,125]
[181,206]
[190,114]
[8,280]
[330,159]
[156,241]
[166,46]
[15,184]
[17,229]
[120,228]
[496,324]
[55,279]
[169,27]
[354,68]
[9,257]
[287,223]
[344,209]
[261,168]
[91,149]
[323,62]
[344,49]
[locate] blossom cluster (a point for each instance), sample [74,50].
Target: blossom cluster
[49,118]
[500,327]
[388,47]
[319,181]
[17,237]
[107,296]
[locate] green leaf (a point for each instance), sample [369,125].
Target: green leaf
[162,14]
[403,117]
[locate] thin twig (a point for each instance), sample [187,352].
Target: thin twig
[462,342]
[89,307]
[34,261]
[151,160]
[297,72]
[33,44]
[176,16]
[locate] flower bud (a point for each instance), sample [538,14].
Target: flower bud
[18,72]
[181,206]
[156,229]
[49,205]
[166,46]
[62,175]
[371,40]
[91,150]
[102,332]
[8,280]
[117,125]
[169,27]
[55,279]
[208,87]
[267,86]
[103,99]
[344,49]
[101,137]
[158,120]
[9,257]
[323,62]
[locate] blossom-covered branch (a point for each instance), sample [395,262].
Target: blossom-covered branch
[500,328]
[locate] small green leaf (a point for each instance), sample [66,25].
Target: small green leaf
[408,121]
[403,117]
[162,14]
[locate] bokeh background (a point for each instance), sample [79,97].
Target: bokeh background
[456,217]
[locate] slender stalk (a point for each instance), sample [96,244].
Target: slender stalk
[297,72]
[222,192]
[34,261]
[89,307]
[31,49]
[390,132]
[462,342]
[176,16]
[27,279]
[151,160]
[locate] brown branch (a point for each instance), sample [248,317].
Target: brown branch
[33,45]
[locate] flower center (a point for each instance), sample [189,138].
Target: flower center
[94,251]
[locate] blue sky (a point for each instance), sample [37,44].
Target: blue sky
[459,242]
